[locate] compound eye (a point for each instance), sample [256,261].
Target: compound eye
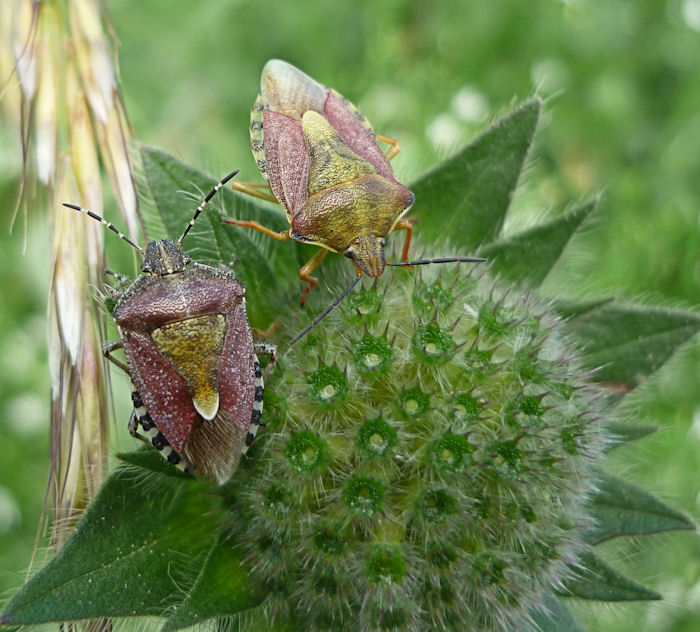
[382,242]
[349,253]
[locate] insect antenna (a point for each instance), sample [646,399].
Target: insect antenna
[423,262]
[211,194]
[326,311]
[102,220]
[120,277]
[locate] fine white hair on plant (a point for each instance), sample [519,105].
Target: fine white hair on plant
[430,463]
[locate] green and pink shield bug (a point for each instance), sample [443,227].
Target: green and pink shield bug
[197,383]
[323,163]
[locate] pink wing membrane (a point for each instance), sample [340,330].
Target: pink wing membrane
[163,391]
[287,160]
[355,135]
[237,370]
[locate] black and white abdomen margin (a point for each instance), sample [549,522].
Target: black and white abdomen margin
[256,416]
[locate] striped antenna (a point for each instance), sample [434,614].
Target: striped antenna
[327,311]
[109,225]
[212,193]
[425,262]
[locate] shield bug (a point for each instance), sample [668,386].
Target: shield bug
[323,163]
[197,382]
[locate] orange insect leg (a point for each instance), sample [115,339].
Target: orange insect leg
[254,189]
[406,223]
[282,236]
[395,146]
[307,269]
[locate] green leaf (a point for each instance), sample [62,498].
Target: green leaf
[621,508]
[465,199]
[626,343]
[594,579]
[528,256]
[570,309]
[553,616]
[223,588]
[623,432]
[150,459]
[258,259]
[130,555]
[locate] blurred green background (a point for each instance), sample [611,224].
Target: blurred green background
[622,84]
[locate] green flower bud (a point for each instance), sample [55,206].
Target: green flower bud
[372,355]
[307,453]
[363,496]
[385,564]
[376,438]
[451,453]
[364,305]
[433,345]
[414,402]
[327,386]
[431,482]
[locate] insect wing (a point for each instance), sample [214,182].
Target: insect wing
[347,120]
[215,447]
[163,391]
[287,160]
[287,90]
[237,370]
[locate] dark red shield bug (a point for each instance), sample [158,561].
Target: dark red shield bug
[197,382]
[322,162]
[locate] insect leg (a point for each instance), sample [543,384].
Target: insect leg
[133,427]
[269,350]
[254,189]
[282,236]
[395,146]
[120,277]
[116,291]
[307,269]
[272,329]
[406,223]
[107,353]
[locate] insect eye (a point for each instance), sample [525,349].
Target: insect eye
[349,253]
[382,242]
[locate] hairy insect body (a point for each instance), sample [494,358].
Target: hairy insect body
[197,384]
[174,329]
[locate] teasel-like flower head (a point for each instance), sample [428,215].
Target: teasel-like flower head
[428,461]
[61,92]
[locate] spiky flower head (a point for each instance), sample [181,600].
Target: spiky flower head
[427,454]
